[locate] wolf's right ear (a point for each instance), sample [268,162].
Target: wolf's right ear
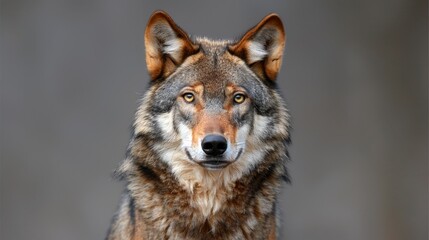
[167,45]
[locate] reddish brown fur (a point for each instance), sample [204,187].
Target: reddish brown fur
[209,124]
[217,123]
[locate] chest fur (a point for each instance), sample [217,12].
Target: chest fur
[235,211]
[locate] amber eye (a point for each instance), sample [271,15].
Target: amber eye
[189,97]
[239,98]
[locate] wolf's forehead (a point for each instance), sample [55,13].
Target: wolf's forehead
[215,68]
[215,51]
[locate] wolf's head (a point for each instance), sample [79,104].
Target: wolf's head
[213,105]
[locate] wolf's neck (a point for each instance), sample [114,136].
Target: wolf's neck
[207,192]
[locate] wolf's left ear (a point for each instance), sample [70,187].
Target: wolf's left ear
[262,47]
[167,45]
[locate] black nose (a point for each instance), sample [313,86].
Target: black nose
[214,145]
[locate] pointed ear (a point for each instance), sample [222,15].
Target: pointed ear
[262,47]
[167,45]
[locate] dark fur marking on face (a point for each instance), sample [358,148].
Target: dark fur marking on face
[188,154]
[239,154]
[186,117]
[175,128]
[241,119]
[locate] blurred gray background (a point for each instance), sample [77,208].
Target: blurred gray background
[354,77]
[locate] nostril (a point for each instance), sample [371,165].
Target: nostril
[208,145]
[214,145]
[222,146]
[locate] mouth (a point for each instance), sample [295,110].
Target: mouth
[214,164]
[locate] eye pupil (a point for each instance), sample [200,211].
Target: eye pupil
[239,98]
[189,97]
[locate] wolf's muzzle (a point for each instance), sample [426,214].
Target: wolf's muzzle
[214,145]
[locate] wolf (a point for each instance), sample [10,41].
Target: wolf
[209,143]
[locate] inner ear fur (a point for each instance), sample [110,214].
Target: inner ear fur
[262,47]
[166,44]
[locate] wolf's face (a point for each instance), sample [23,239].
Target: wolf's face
[213,121]
[213,109]
[213,104]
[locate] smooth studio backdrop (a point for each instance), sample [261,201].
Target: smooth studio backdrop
[354,77]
